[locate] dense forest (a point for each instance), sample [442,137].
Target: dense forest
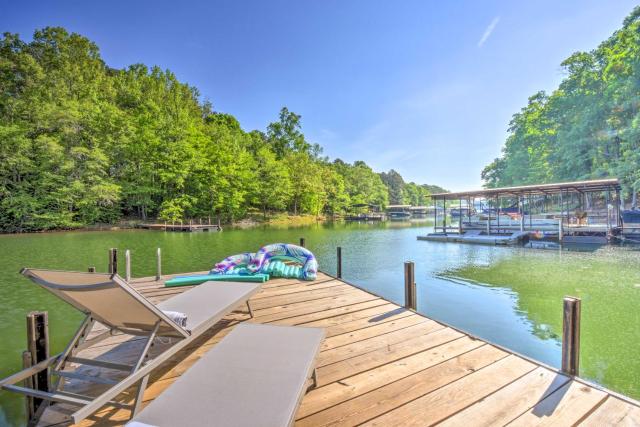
[82,143]
[588,128]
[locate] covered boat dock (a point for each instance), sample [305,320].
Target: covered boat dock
[578,211]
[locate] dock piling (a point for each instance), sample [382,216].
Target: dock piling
[38,349]
[339,262]
[302,242]
[158,264]
[571,335]
[113,260]
[127,265]
[409,285]
[30,409]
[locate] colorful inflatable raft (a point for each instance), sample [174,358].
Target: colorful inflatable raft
[275,260]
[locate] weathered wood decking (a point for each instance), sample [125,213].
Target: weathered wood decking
[384,365]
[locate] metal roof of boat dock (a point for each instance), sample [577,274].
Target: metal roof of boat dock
[611,184]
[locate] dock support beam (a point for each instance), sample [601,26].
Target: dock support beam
[339,262]
[38,348]
[127,265]
[158,264]
[571,335]
[302,242]
[113,261]
[409,285]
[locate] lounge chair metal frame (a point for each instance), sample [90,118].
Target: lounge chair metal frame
[138,373]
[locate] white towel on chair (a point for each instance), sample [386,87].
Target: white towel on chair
[177,317]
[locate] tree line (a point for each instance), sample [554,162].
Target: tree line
[588,128]
[82,143]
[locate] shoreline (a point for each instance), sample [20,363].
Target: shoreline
[283,219]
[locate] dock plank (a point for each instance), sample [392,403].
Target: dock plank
[372,331]
[510,402]
[384,399]
[354,349]
[454,396]
[566,406]
[612,412]
[356,385]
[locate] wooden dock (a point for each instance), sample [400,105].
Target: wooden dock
[382,364]
[186,227]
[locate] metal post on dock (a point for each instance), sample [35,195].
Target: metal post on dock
[444,215]
[339,262]
[38,348]
[409,285]
[127,265]
[560,231]
[521,204]
[571,335]
[113,261]
[302,242]
[158,264]
[460,217]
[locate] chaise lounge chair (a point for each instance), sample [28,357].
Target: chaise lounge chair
[109,300]
[255,377]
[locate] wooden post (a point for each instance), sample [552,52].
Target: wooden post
[28,383]
[158,264]
[38,348]
[113,260]
[339,262]
[409,285]
[91,269]
[571,335]
[302,242]
[127,265]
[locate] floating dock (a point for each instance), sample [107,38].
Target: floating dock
[188,228]
[382,365]
[478,237]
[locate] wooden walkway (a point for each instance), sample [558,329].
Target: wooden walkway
[383,365]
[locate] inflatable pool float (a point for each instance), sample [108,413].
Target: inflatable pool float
[196,280]
[275,260]
[285,252]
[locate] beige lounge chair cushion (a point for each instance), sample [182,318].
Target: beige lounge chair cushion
[256,376]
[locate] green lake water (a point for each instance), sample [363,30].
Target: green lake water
[510,296]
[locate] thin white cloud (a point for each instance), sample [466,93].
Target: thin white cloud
[488,31]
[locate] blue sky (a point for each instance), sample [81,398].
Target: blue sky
[424,87]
